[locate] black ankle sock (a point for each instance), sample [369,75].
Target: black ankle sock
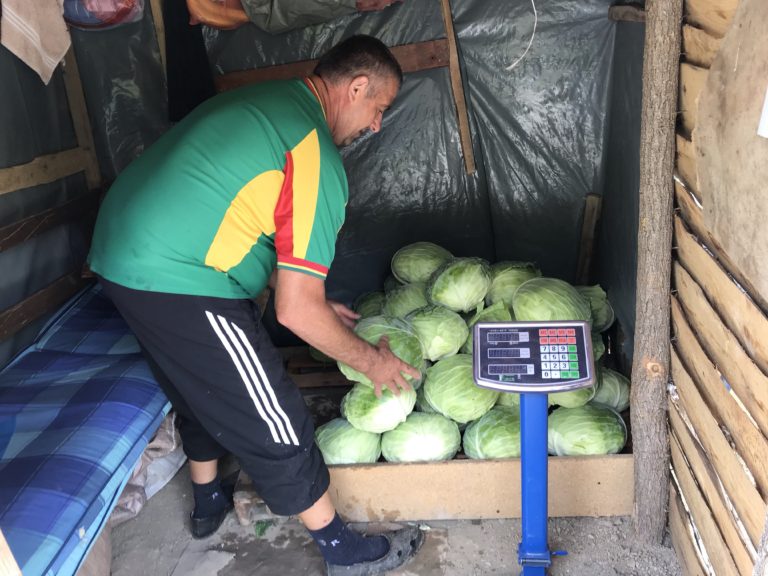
[342,546]
[210,498]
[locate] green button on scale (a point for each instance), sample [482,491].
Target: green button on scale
[571,347]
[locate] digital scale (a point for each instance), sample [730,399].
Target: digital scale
[533,359]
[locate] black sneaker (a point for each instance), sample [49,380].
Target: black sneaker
[206,525]
[403,545]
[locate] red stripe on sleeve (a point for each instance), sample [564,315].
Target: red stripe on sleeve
[284,214]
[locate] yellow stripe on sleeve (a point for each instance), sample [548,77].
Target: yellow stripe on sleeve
[306,181]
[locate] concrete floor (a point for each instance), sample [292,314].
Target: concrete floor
[157,543]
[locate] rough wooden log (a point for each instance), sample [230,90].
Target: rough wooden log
[650,372]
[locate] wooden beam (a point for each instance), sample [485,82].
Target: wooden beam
[43,169]
[80,120]
[746,499]
[21,231]
[686,164]
[744,377]
[457,86]
[412,58]
[681,538]
[592,207]
[8,566]
[699,48]
[714,16]
[761,564]
[650,371]
[692,80]
[717,550]
[157,18]
[742,316]
[41,302]
[707,480]
[626,13]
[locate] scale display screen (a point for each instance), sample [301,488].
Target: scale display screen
[533,356]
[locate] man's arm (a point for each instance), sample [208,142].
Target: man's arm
[301,306]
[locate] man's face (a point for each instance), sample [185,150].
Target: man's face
[364,108]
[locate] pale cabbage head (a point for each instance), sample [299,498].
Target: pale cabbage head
[421,402]
[612,390]
[441,331]
[572,398]
[342,443]
[405,299]
[506,278]
[495,313]
[416,262]
[402,341]
[509,400]
[451,390]
[598,346]
[602,311]
[495,435]
[390,283]
[460,284]
[365,411]
[592,429]
[544,299]
[422,438]
[370,304]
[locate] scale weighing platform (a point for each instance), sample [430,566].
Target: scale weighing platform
[533,359]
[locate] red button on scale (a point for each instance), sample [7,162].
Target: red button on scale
[571,340]
[542,331]
[570,332]
[553,331]
[561,331]
[544,340]
[562,340]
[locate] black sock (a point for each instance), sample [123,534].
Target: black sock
[342,546]
[210,498]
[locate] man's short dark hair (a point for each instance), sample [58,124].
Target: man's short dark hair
[358,55]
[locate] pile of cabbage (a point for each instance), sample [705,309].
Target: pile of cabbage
[427,310]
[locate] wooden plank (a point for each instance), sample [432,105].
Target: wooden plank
[744,377]
[41,302]
[692,80]
[157,18]
[43,169]
[717,550]
[714,16]
[686,164]
[412,58]
[742,316]
[592,208]
[457,86]
[8,566]
[80,120]
[693,216]
[681,537]
[626,13]
[699,48]
[21,231]
[708,482]
[744,496]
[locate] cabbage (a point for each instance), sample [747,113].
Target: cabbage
[371,414]
[586,430]
[495,435]
[416,262]
[612,390]
[572,398]
[509,399]
[421,402]
[369,304]
[421,438]
[342,443]
[601,309]
[402,341]
[390,283]
[496,313]
[450,389]
[544,299]
[405,299]
[441,331]
[506,277]
[598,346]
[460,284]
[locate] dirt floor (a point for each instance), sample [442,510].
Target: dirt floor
[157,543]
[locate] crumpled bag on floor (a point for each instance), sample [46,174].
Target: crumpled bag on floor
[102,14]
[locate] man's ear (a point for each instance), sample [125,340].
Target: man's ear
[358,87]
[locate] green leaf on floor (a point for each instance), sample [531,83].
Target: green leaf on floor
[261,527]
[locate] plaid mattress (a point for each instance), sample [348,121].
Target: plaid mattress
[74,420]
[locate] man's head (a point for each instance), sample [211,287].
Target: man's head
[362,77]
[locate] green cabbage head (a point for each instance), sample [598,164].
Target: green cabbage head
[598,346]
[613,390]
[450,389]
[602,311]
[370,304]
[495,435]
[416,262]
[405,299]
[509,399]
[441,331]
[495,313]
[366,412]
[422,438]
[342,443]
[506,278]
[591,429]
[544,299]
[572,398]
[421,402]
[460,284]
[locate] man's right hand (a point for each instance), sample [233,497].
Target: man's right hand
[388,370]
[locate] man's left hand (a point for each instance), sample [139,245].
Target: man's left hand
[347,316]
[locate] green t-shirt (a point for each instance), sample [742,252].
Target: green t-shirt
[250,180]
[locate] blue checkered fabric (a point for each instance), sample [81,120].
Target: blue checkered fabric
[74,420]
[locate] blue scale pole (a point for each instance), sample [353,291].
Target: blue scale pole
[533,553]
